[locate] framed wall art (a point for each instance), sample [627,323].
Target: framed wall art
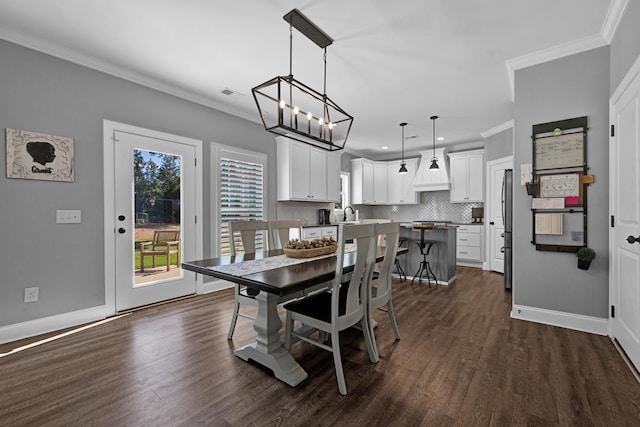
[32,155]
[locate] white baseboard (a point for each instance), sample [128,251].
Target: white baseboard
[216,285]
[578,322]
[34,327]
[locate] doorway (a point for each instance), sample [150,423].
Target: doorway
[624,205]
[495,223]
[152,202]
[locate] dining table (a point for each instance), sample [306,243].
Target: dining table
[274,275]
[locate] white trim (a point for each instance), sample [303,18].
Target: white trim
[578,322]
[109,130]
[487,225]
[497,129]
[616,11]
[216,285]
[44,325]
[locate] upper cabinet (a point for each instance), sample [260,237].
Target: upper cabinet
[467,176]
[401,186]
[379,183]
[306,173]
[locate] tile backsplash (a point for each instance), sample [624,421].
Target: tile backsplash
[434,205]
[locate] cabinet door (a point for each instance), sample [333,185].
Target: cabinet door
[333,177]
[380,184]
[367,182]
[299,166]
[396,182]
[476,178]
[317,178]
[459,175]
[408,195]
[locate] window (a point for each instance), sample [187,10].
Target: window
[345,198]
[238,193]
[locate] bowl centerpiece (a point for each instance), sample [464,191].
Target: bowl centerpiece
[307,249]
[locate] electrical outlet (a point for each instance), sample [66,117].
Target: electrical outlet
[31,294]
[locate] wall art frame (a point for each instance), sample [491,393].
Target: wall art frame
[40,156]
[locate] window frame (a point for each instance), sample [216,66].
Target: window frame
[219,151]
[345,193]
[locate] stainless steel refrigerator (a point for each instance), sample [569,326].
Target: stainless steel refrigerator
[507,220]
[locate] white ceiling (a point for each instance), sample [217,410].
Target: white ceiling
[391,61]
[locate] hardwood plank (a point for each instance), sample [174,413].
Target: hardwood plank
[461,361]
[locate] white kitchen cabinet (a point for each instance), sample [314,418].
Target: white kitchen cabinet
[310,233]
[380,183]
[306,173]
[470,242]
[400,190]
[467,176]
[362,182]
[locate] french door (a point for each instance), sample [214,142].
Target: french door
[154,194]
[624,203]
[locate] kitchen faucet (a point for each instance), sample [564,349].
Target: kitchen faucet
[345,212]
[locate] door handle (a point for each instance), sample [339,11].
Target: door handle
[121,230]
[633,240]
[501,234]
[502,249]
[492,223]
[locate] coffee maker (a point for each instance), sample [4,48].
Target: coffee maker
[324,216]
[477,215]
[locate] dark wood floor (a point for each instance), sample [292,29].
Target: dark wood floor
[461,361]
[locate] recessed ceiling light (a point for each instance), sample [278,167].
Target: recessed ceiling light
[440,138]
[385,148]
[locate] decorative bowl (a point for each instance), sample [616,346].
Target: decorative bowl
[310,253]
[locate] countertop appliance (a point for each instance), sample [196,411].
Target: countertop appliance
[477,215]
[507,220]
[324,216]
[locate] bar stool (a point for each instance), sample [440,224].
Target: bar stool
[424,264]
[399,271]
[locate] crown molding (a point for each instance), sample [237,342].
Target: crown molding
[616,11]
[497,129]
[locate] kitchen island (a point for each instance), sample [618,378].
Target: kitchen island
[442,256]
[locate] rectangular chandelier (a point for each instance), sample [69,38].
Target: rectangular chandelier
[290,108]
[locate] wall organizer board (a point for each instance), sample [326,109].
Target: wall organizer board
[560,180]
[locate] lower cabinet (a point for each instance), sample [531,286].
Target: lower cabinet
[469,243]
[310,233]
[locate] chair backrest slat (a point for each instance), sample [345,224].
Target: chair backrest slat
[279,232]
[389,232]
[248,231]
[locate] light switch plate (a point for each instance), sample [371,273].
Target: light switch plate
[68,217]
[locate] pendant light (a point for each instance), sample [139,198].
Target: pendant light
[434,160]
[403,165]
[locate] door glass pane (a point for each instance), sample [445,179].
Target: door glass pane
[156,197]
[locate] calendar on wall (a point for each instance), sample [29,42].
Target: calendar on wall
[560,175]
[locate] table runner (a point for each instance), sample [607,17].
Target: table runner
[245,268]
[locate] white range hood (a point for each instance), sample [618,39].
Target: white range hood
[432,180]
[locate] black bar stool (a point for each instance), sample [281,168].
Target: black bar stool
[399,271]
[424,264]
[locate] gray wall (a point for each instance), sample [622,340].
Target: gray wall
[625,46]
[499,145]
[565,88]
[66,261]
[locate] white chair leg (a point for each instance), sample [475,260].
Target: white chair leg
[234,317]
[337,361]
[392,319]
[369,339]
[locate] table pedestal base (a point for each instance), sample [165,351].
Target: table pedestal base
[267,350]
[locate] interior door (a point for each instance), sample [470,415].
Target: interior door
[494,214]
[154,191]
[624,193]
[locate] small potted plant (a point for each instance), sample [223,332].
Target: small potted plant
[585,256]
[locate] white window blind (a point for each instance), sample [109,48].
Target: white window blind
[241,198]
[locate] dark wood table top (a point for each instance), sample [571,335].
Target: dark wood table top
[283,280]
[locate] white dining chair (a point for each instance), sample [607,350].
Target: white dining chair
[248,235]
[333,311]
[380,295]
[280,232]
